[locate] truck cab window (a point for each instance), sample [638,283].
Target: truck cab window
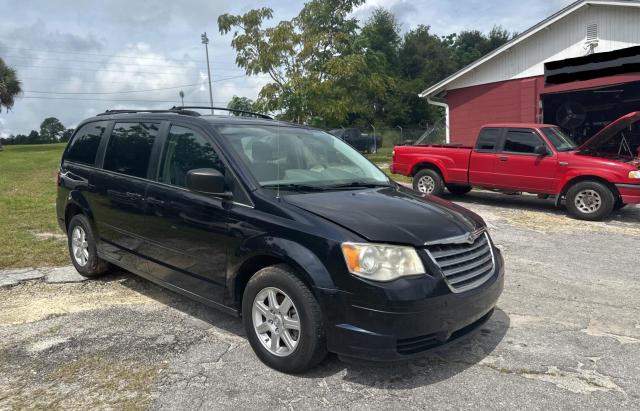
[487,139]
[521,142]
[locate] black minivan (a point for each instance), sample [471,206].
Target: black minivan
[286,226]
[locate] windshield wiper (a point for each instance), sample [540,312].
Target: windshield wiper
[294,187]
[357,184]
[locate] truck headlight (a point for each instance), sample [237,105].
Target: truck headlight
[381,262]
[634,174]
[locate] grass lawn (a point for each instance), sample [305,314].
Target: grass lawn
[29,234]
[382,159]
[27,207]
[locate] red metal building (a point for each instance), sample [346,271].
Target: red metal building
[579,68]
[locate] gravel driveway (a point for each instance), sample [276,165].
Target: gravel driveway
[566,334]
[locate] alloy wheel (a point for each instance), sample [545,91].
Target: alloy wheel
[79,246]
[588,201]
[276,321]
[426,184]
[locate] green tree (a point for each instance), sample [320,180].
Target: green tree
[240,103]
[33,138]
[51,130]
[10,86]
[316,63]
[66,135]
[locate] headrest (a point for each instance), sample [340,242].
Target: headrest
[261,151]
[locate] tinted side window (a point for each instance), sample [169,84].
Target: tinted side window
[84,146]
[487,139]
[186,150]
[525,142]
[129,148]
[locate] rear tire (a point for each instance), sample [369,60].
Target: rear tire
[258,314]
[590,200]
[428,181]
[82,248]
[458,190]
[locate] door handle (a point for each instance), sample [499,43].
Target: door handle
[502,158]
[133,196]
[154,201]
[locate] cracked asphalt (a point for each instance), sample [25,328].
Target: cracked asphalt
[566,334]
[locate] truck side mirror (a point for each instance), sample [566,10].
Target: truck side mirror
[541,151]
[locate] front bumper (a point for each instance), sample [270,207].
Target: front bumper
[393,334]
[630,193]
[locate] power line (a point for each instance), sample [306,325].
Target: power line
[95,61]
[30,79]
[114,55]
[132,91]
[118,100]
[116,92]
[107,70]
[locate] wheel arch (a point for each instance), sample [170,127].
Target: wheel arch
[427,165]
[77,204]
[587,177]
[304,263]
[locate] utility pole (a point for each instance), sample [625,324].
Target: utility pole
[205,41]
[181,97]
[375,143]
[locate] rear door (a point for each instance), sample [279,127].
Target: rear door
[187,231]
[519,168]
[482,163]
[121,184]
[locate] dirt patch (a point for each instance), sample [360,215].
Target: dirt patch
[35,301]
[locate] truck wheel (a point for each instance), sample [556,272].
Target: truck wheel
[458,190]
[82,248]
[428,181]
[590,200]
[283,320]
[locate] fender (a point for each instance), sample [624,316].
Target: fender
[299,257]
[608,175]
[436,162]
[76,198]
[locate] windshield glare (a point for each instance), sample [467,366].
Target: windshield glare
[289,156]
[559,139]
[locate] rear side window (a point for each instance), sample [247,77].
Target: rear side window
[186,150]
[129,148]
[521,141]
[84,146]
[488,139]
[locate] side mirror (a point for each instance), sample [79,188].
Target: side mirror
[207,180]
[541,151]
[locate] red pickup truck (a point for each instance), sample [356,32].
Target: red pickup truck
[593,179]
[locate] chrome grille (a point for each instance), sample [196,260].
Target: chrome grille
[465,265]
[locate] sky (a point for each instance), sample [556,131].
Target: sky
[77,58]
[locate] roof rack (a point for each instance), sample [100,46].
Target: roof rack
[175,110]
[231,110]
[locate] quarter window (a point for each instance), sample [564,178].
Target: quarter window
[524,142]
[84,146]
[129,148]
[186,150]
[487,139]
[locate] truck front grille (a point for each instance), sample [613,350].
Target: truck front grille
[465,264]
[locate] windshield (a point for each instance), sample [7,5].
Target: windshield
[289,156]
[561,141]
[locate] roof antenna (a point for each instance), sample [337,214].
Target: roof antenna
[278,161]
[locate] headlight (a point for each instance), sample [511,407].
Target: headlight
[634,174]
[380,262]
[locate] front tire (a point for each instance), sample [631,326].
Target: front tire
[283,320]
[590,200]
[428,181]
[82,248]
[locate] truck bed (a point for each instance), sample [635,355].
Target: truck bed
[454,158]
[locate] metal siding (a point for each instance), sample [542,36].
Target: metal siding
[618,27]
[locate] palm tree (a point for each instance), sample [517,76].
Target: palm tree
[9,85]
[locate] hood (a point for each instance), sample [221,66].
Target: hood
[390,215]
[613,128]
